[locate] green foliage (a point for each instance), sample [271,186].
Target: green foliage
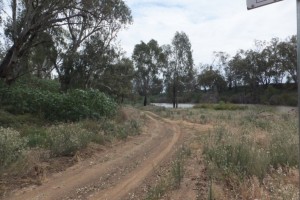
[39,83]
[12,146]
[284,99]
[10,120]
[148,60]
[210,78]
[36,136]
[65,140]
[54,106]
[221,106]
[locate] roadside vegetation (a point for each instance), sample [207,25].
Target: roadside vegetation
[171,180]
[249,153]
[38,124]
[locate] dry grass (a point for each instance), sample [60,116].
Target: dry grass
[250,154]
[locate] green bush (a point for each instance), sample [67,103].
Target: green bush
[290,99]
[36,136]
[38,83]
[72,106]
[12,146]
[67,139]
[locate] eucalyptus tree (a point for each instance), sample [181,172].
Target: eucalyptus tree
[223,64]
[148,60]
[39,59]
[212,79]
[102,19]
[70,22]
[287,51]
[181,68]
[117,79]
[90,63]
[24,22]
[237,68]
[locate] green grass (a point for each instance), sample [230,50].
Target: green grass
[221,106]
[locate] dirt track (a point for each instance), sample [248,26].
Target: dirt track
[117,173]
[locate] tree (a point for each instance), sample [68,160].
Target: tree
[237,69]
[211,78]
[148,60]
[23,27]
[91,62]
[117,79]
[102,19]
[223,63]
[276,72]
[69,22]
[180,72]
[287,51]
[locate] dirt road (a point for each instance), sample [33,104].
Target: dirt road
[115,173]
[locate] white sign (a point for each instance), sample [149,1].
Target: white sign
[251,4]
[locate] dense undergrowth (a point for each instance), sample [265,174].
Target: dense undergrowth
[34,115]
[45,100]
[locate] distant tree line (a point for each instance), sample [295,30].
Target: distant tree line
[172,71]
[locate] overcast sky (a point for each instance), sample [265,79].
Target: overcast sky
[212,25]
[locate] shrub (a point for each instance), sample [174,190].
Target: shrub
[12,146]
[290,99]
[120,131]
[72,106]
[66,139]
[36,136]
[276,100]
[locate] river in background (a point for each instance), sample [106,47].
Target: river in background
[169,105]
[281,109]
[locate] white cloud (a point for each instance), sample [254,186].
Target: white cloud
[211,25]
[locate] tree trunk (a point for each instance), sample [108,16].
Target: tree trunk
[65,81]
[8,63]
[174,95]
[145,100]
[66,76]
[122,99]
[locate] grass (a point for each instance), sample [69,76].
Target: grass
[252,145]
[27,132]
[221,106]
[172,180]
[251,152]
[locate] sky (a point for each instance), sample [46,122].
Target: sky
[211,25]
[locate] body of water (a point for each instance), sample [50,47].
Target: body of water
[169,105]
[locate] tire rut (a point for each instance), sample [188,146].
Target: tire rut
[123,171]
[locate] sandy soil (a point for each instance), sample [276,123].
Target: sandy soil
[122,171]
